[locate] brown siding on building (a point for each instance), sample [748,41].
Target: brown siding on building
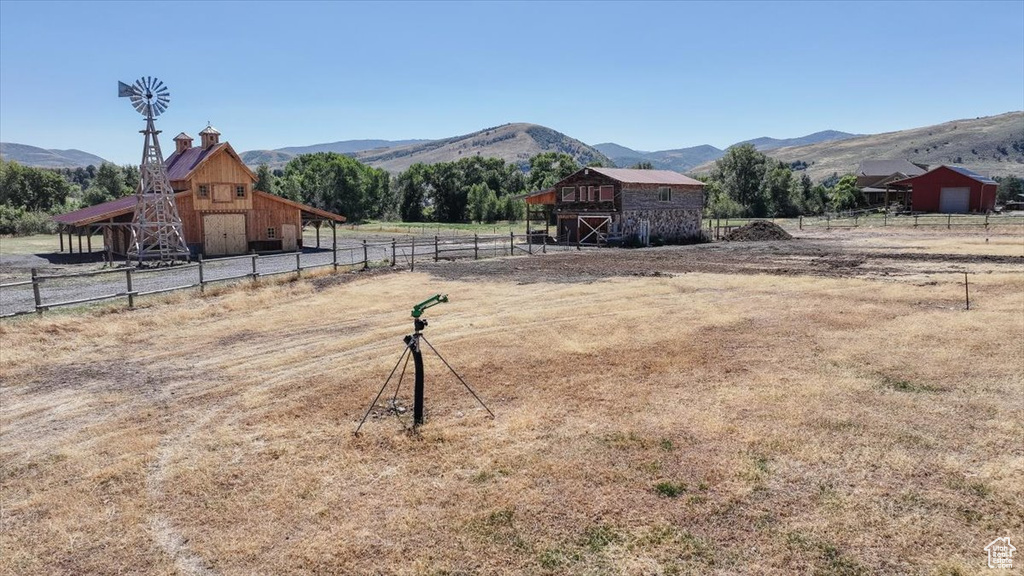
[190,219]
[580,179]
[222,172]
[270,214]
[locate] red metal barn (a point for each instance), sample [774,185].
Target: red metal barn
[950,190]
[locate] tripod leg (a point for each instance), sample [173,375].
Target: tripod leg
[377,397]
[401,376]
[457,376]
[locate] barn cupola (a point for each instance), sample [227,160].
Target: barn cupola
[210,136]
[182,142]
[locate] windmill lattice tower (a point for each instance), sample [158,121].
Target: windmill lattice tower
[157,232]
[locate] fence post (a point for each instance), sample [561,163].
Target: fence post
[986,221]
[856,217]
[967,292]
[529,244]
[254,267]
[298,266]
[394,252]
[476,246]
[35,291]
[915,220]
[828,222]
[366,258]
[334,247]
[436,251]
[885,219]
[801,222]
[949,219]
[412,256]
[202,282]
[511,243]
[131,291]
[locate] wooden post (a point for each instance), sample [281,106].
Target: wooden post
[202,281]
[60,234]
[476,246]
[412,256]
[828,222]
[317,226]
[88,241]
[885,219]
[967,292]
[856,217]
[71,241]
[915,220]
[254,256]
[511,243]
[529,244]
[986,220]
[394,252]
[35,291]
[366,259]
[334,249]
[298,264]
[436,252]
[949,219]
[801,222]
[131,291]
[79,241]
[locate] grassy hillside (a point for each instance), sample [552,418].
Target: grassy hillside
[43,158]
[992,145]
[511,142]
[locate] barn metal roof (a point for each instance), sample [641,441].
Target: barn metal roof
[635,176]
[98,212]
[963,171]
[180,165]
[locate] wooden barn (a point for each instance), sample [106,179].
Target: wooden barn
[596,203]
[949,190]
[221,211]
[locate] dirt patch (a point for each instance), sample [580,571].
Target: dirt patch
[758,231]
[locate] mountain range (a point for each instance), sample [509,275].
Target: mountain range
[43,158]
[992,145]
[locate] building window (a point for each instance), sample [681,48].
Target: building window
[607,193]
[204,191]
[665,194]
[240,191]
[272,233]
[568,194]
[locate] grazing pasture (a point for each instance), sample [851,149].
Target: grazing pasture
[823,405]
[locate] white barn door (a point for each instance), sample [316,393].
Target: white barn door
[954,200]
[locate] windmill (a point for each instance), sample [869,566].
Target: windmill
[156,228]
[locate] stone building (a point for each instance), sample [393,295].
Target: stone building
[596,203]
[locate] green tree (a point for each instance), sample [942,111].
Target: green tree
[643,166]
[132,177]
[265,179]
[740,172]
[334,182]
[1010,189]
[776,190]
[547,168]
[411,190]
[844,195]
[110,178]
[33,189]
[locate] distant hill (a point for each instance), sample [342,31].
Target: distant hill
[685,159]
[278,157]
[991,146]
[515,143]
[766,143]
[43,158]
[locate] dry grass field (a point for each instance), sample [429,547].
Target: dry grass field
[677,421]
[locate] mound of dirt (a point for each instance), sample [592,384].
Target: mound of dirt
[756,231]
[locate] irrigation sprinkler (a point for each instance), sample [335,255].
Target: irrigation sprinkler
[413,349]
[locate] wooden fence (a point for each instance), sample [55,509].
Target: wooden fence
[199,274]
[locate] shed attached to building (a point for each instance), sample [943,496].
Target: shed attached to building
[594,203]
[949,190]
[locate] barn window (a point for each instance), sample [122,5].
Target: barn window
[240,191]
[568,194]
[271,233]
[204,191]
[607,193]
[665,194]
[586,193]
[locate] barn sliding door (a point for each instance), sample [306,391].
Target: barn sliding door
[224,234]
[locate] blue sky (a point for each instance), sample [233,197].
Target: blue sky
[645,75]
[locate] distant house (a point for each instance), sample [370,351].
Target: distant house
[221,211]
[949,190]
[874,177]
[596,202]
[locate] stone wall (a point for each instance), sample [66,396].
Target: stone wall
[674,224]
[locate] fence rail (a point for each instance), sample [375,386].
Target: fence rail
[949,221]
[49,291]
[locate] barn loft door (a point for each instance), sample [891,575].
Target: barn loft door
[224,234]
[289,241]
